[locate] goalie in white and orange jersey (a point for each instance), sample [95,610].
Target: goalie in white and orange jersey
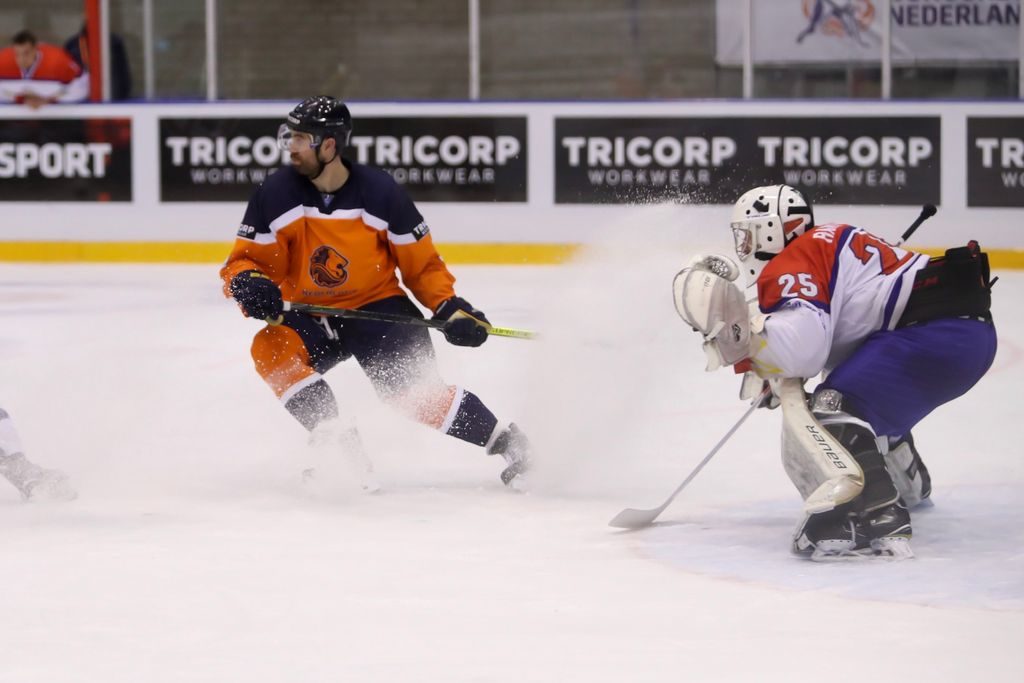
[895,333]
[333,233]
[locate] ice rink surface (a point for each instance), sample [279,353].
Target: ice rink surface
[196,553]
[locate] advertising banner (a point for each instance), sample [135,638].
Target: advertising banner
[443,159]
[995,161]
[216,159]
[449,158]
[66,160]
[841,31]
[840,160]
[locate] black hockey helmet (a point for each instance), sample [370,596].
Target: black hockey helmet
[322,117]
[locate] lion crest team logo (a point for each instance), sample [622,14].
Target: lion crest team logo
[848,19]
[328,267]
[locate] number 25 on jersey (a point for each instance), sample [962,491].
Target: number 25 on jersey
[801,285]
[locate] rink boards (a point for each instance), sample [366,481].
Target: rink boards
[513,182]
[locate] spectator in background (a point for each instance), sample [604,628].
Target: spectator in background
[35,73]
[120,73]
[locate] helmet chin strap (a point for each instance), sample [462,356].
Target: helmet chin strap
[322,164]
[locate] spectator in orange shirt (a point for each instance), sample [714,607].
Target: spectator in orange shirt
[35,73]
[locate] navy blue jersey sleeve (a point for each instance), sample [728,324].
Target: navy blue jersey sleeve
[254,220]
[404,217]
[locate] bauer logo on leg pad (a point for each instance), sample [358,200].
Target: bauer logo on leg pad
[818,465]
[826,446]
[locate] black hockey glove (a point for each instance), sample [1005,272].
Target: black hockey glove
[257,294]
[464,325]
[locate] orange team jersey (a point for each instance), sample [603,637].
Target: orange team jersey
[53,71]
[861,282]
[341,250]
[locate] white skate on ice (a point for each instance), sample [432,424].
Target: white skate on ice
[337,441]
[34,482]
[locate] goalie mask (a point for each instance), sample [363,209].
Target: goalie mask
[764,221]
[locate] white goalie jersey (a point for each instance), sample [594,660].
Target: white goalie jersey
[824,294]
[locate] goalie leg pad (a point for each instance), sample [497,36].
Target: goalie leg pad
[858,439]
[908,470]
[875,521]
[820,467]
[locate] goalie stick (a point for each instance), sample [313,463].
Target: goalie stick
[401,319]
[927,211]
[637,519]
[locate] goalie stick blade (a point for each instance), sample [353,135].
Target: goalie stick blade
[635,519]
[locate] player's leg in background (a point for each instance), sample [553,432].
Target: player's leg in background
[400,363]
[291,358]
[31,480]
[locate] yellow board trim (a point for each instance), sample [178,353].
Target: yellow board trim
[216,252]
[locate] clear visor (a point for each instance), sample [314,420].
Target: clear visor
[295,141]
[743,239]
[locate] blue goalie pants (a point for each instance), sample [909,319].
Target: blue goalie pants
[897,377]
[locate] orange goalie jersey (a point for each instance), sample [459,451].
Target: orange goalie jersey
[339,250]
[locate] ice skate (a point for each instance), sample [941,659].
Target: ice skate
[908,471]
[889,529]
[342,442]
[883,533]
[832,536]
[512,445]
[35,482]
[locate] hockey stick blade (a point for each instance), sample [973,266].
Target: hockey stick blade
[356,314]
[632,519]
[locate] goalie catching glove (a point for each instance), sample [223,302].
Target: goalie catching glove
[708,300]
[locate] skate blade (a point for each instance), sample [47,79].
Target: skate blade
[518,484]
[860,555]
[56,491]
[370,486]
[890,549]
[367,481]
[53,497]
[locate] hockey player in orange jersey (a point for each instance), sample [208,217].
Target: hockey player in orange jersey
[895,333]
[35,73]
[330,232]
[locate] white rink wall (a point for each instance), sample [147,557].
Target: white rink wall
[541,217]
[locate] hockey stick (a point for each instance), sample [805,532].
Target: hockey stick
[927,211]
[637,519]
[396,318]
